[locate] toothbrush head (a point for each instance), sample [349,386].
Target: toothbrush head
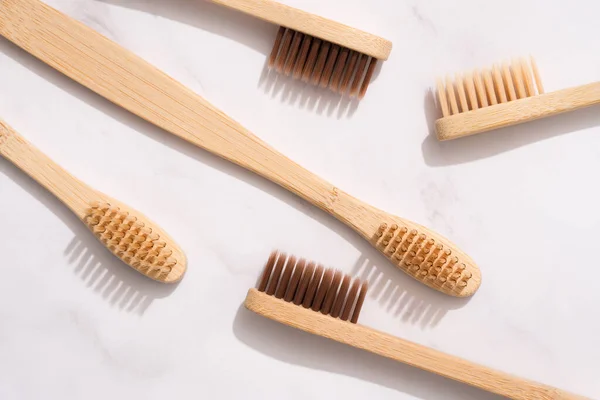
[310,285]
[136,242]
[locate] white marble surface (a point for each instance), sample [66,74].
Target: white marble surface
[77,324]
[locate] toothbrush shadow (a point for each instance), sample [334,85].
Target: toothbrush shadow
[256,34]
[118,284]
[306,95]
[296,347]
[489,144]
[423,298]
[403,297]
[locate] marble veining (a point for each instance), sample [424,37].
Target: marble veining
[77,324]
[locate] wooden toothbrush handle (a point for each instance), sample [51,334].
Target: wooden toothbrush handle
[518,111]
[322,28]
[71,191]
[130,82]
[402,350]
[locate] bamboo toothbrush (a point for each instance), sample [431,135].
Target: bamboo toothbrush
[502,96]
[125,79]
[327,303]
[128,234]
[317,50]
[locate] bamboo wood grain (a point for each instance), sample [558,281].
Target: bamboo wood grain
[314,25]
[401,350]
[85,203]
[125,79]
[518,111]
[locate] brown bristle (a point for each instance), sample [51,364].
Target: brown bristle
[295,280]
[276,46]
[264,280]
[339,300]
[284,50]
[293,53]
[322,290]
[285,277]
[489,87]
[349,72]
[331,293]
[309,66]
[328,69]
[275,274]
[302,56]
[130,239]
[339,70]
[359,302]
[304,281]
[321,63]
[368,76]
[352,294]
[358,75]
[313,287]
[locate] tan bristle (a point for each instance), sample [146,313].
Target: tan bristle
[508,83]
[489,87]
[488,82]
[322,290]
[322,63]
[499,84]
[536,74]
[527,79]
[422,256]
[517,75]
[480,89]
[130,239]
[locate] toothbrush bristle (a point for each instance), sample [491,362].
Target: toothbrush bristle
[488,87]
[131,240]
[321,63]
[327,291]
[423,257]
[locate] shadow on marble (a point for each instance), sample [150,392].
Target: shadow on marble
[489,144]
[219,20]
[403,297]
[406,297]
[255,34]
[296,347]
[118,284]
[308,96]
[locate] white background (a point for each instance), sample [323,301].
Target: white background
[75,323]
